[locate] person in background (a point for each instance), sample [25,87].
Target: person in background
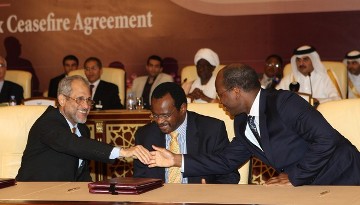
[143,86]
[59,144]
[352,62]
[70,63]
[196,134]
[105,94]
[202,90]
[277,126]
[8,88]
[273,71]
[312,76]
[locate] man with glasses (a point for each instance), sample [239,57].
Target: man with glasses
[143,86]
[105,94]
[8,88]
[273,71]
[195,134]
[59,144]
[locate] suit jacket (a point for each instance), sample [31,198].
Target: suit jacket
[52,151]
[54,84]
[296,139]
[108,94]
[139,83]
[203,135]
[9,88]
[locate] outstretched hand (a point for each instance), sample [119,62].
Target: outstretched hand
[137,152]
[162,157]
[282,179]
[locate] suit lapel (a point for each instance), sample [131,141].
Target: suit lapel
[265,139]
[192,138]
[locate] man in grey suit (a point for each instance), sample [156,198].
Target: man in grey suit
[281,129]
[197,134]
[59,144]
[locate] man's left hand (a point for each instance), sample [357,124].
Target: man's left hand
[282,179]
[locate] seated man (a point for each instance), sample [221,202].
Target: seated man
[70,63]
[352,62]
[59,144]
[8,88]
[105,94]
[196,134]
[202,90]
[273,72]
[143,86]
[312,76]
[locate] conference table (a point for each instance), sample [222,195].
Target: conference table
[77,193]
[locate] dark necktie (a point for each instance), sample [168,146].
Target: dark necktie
[253,128]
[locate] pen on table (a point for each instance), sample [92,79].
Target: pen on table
[324,192]
[73,189]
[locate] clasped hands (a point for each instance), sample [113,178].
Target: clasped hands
[162,157]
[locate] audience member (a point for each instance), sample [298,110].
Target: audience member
[59,144]
[280,128]
[202,90]
[352,62]
[15,62]
[196,134]
[70,63]
[143,86]
[273,72]
[8,88]
[103,93]
[311,74]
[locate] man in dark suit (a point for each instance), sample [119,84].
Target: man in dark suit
[197,134]
[290,135]
[59,147]
[105,94]
[70,63]
[8,88]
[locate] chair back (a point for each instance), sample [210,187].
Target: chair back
[338,68]
[190,74]
[344,116]
[23,78]
[214,110]
[112,75]
[15,124]
[40,101]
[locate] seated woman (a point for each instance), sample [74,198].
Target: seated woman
[202,90]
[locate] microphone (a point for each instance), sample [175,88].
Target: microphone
[184,81]
[311,91]
[294,86]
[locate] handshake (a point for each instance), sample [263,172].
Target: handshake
[160,157]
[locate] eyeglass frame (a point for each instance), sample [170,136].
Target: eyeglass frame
[273,65]
[162,116]
[2,65]
[222,93]
[82,100]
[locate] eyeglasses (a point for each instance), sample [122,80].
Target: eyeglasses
[93,68]
[80,100]
[222,93]
[162,116]
[274,65]
[2,65]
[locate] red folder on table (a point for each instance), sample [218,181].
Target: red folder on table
[6,182]
[125,185]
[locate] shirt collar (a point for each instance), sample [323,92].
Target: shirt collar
[254,111]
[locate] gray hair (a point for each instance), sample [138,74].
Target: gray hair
[65,84]
[2,58]
[241,76]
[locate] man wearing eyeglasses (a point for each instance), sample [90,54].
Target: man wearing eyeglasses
[8,88]
[105,94]
[273,71]
[59,147]
[195,134]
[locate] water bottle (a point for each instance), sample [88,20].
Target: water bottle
[12,101]
[130,101]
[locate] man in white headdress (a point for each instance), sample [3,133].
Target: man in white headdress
[312,76]
[352,62]
[202,90]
